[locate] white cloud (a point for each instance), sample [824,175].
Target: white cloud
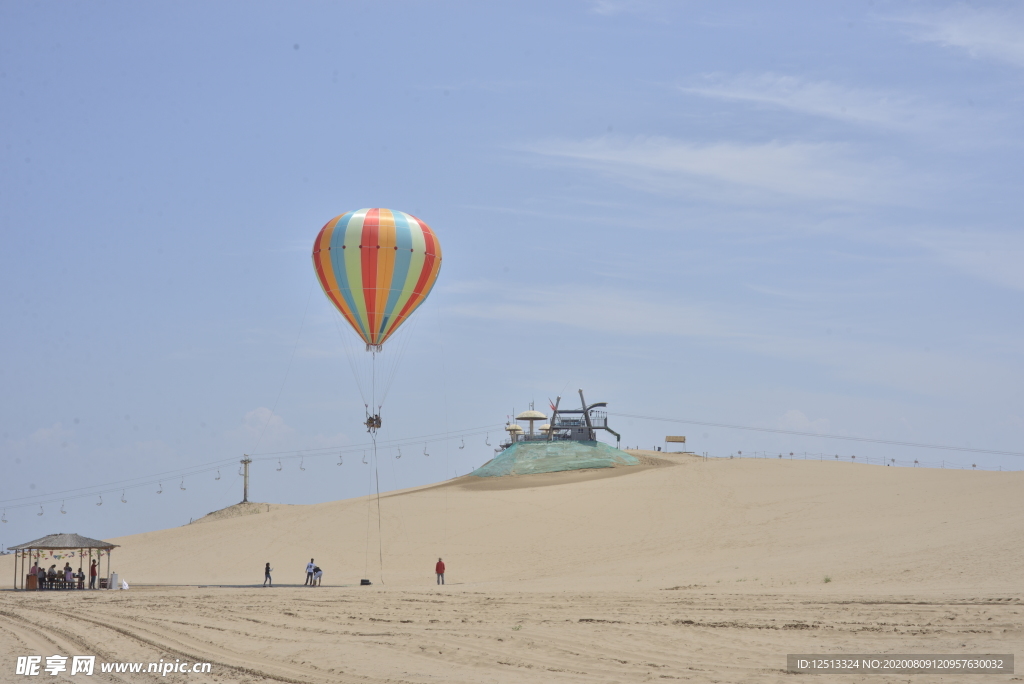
[987,32]
[734,171]
[992,257]
[149,451]
[262,431]
[822,98]
[606,311]
[261,427]
[798,421]
[49,442]
[610,8]
[754,331]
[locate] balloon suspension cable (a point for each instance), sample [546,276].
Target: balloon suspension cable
[372,421]
[380,533]
[372,424]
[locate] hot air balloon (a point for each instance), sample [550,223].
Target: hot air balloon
[376,266]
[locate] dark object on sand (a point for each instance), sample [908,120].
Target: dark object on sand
[365,583]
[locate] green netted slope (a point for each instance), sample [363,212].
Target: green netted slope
[526,458]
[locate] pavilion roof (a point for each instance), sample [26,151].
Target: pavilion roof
[63,541]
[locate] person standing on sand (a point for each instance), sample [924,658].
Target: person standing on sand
[309,572]
[439,570]
[266,575]
[92,575]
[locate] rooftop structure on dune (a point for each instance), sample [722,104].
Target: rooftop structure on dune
[567,442]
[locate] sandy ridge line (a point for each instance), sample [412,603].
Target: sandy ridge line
[169,649]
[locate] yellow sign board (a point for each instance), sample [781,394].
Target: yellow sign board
[680,439]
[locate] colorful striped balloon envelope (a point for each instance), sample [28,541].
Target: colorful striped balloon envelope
[376,266]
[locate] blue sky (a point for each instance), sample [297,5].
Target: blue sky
[799,216]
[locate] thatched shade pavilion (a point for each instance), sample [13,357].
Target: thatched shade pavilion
[58,542]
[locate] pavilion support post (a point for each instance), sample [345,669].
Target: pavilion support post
[16,570]
[108,568]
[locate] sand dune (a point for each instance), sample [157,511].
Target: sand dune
[680,568]
[768,523]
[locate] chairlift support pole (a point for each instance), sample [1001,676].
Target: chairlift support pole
[245,485]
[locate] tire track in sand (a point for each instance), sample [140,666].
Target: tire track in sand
[152,640]
[38,640]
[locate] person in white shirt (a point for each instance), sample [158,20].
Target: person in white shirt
[309,572]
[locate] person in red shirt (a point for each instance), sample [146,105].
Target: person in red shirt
[92,575]
[439,569]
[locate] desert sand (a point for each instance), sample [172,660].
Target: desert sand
[678,569]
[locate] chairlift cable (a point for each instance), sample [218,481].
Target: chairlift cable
[405,441]
[824,436]
[196,470]
[215,467]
